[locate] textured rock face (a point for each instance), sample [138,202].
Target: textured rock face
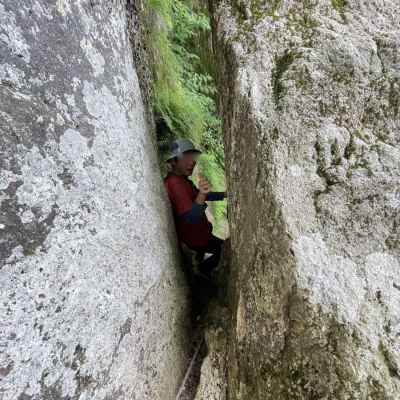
[92,302]
[310,97]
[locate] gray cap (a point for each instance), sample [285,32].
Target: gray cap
[180,146]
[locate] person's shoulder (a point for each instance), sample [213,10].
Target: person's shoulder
[173,180]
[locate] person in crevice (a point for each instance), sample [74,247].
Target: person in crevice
[189,204]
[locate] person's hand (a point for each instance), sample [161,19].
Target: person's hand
[204,186]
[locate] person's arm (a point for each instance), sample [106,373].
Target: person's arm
[216,196]
[184,206]
[195,214]
[197,211]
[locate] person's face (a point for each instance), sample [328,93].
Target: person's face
[185,165]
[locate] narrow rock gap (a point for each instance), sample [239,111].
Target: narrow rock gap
[195,78]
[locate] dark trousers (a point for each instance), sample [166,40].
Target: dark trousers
[214,247]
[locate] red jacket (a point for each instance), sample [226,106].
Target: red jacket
[182,194]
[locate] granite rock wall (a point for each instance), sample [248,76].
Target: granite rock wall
[93,301]
[310,100]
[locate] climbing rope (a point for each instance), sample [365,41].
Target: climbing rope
[189,370]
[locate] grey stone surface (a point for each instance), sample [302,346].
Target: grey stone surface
[310,99]
[213,383]
[92,301]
